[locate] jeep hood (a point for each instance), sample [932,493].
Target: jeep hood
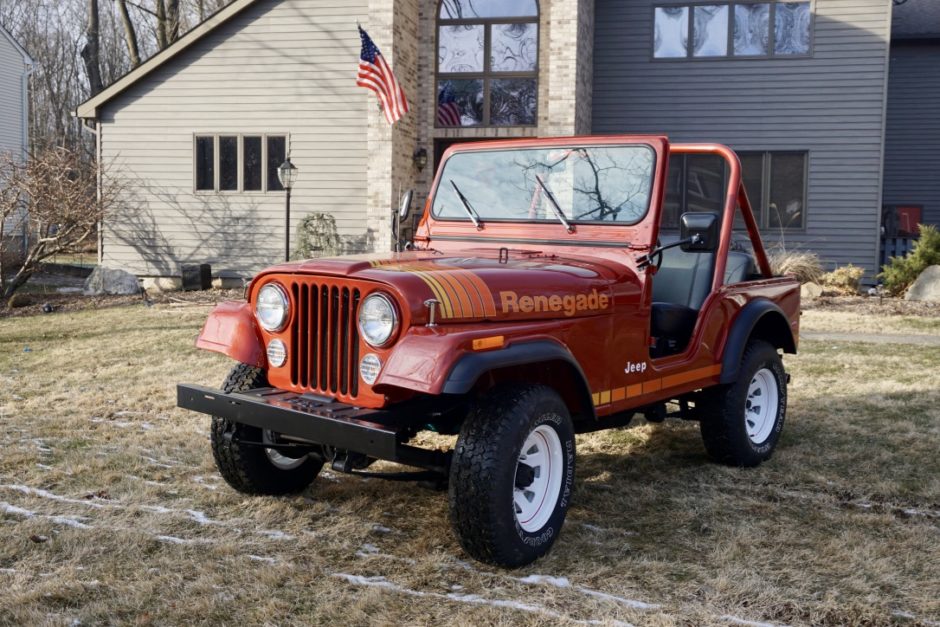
[484,287]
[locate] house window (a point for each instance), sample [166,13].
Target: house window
[772,28]
[239,163]
[775,184]
[487,63]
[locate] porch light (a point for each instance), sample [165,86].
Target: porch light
[287,174]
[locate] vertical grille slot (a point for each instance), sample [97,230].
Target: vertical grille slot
[294,330]
[354,345]
[302,332]
[334,339]
[312,322]
[324,334]
[344,342]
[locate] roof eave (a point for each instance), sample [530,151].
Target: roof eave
[90,109]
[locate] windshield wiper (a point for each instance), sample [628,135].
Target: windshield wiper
[466,205]
[556,208]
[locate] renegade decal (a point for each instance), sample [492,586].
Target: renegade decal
[570,304]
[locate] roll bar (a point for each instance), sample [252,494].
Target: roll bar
[736,198]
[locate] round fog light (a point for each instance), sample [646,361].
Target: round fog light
[277,353]
[369,368]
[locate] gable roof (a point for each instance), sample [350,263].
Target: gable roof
[89,109]
[916,19]
[28,60]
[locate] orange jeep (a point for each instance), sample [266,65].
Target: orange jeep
[540,300]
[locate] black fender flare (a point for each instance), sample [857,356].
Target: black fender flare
[465,373]
[761,312]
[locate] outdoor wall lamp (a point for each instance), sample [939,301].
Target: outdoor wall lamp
[287,175]
[420,159]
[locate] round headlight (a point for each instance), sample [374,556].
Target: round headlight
[378,320]
[272,308]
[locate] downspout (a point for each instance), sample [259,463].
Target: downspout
[25,138]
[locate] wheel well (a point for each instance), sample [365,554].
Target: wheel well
[558,374]
[774,329]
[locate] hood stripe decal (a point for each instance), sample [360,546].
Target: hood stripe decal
[462,293]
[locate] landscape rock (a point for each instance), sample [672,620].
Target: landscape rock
[927,286]
[811,291]
[111,281]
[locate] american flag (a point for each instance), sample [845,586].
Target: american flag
[375,74]
[448,111]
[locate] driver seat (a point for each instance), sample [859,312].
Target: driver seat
[680,287]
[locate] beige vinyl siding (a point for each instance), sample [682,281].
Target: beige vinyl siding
[830,104]
[281,67]
[12,112]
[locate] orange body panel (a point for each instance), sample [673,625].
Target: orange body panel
[586,291]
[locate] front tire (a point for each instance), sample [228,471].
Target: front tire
[512,475]
[253,469]
[742,422]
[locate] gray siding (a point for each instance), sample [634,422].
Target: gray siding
[281,66]
[912,142]
[12,111]
[831,105]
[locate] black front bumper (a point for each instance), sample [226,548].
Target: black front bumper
[374,433]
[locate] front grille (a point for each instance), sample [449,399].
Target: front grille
[325,338]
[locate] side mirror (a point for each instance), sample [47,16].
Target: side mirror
[405,207]
[698,232]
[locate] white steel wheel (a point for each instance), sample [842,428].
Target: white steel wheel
[278,459]
[538,478]
[761,406]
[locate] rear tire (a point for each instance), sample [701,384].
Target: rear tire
[253,469]
[742,422]
[512,475]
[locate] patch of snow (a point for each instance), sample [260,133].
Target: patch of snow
[376,528]
[121,414]
[44,466]
[45,494]
[7,571]
[200,517]
[369,548]
[186,541]
[747,623]
[471,599]
[563,582]
[69,521]
[266,560]
[274,534]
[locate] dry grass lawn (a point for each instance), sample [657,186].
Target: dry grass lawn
[111,510]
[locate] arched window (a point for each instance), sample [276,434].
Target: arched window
[487,63]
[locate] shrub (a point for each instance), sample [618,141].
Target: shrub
[803,265]
[844,280]
[317,237]
[901,272]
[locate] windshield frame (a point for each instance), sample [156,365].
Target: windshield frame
[442,178]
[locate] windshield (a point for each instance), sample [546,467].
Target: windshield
[609,184]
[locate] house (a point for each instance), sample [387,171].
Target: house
[912,133]
[15,67]
[798,87]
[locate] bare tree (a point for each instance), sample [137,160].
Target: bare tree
[130,33]
[91,52]
[57,191]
